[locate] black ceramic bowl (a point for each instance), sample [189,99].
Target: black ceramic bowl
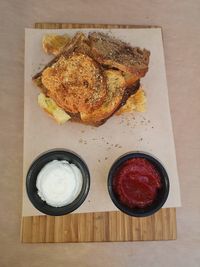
[34,170]
[161,195]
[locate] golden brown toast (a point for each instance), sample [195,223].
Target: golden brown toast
[114,53]
[74,44]
[54,44]
[73,79]
[84,86]
[116,97]
[76,83]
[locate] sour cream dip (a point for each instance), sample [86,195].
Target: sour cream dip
[59,183]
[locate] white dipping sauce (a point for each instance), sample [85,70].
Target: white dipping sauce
[59,183]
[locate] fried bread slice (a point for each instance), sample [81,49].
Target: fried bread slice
[89,85]
[73,79]
[54,44]
[75,44]
[115,53]
[78,43]
[70,47]
[116,97]
[76,83]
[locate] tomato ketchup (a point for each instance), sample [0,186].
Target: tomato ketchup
[136,183]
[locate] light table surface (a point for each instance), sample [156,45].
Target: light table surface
[180,21]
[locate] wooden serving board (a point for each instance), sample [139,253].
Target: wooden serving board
[97,226]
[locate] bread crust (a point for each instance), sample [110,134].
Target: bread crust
[114,53]
[127,93]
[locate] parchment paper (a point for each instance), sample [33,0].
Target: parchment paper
[99,147]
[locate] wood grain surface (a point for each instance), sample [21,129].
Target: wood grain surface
[80,25]
[97,226]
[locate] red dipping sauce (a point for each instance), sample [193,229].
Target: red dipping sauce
[136,183]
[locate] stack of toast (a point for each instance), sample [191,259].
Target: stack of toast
[92,77]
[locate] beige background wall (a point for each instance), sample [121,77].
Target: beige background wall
[180,21]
